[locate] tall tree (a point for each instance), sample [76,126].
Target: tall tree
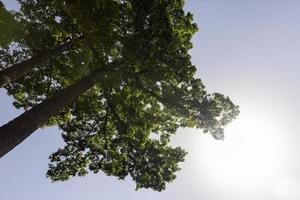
[113,93]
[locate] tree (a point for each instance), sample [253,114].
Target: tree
[135,81]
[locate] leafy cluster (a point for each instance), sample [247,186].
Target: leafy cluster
[11,29]
[154,92]
[115,139]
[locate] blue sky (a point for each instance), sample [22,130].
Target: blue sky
[248,50]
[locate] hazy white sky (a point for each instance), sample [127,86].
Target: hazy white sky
[248,50]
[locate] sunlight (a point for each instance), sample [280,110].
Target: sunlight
[251,155]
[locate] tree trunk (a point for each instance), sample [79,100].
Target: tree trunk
[17,130]
[18,70]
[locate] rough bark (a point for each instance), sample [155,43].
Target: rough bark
[17,130]
[18,70]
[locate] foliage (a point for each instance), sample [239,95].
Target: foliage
[10,28]
[111,126]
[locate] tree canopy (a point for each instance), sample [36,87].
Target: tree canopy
[123,123]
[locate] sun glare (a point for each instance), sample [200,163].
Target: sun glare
[251,155]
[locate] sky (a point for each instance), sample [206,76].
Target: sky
[248,50]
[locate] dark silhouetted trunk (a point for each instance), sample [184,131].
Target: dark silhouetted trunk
[17,130]
[18,70]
